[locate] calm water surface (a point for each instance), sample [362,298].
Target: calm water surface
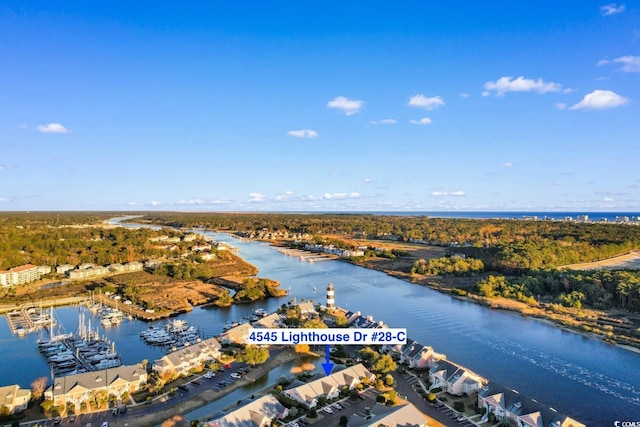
[585,378]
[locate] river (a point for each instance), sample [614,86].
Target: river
[585,378]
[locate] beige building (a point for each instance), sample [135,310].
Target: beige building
[20,275]
[79,388]
[329,386]
[14,398]
[257,413]
[182,361]
[395,416]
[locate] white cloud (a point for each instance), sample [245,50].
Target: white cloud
[3,200]
[439,193]
[458,194]
[608,199]
[611,9]
[560,106]
[603,62]
[256,197]
[383,122]
[426,103]
[303,133]
[507,164]
[600,100]
[191,202]
[464,95]
[346,105]
[1,167]
[52,128]
[133,204]
[422,121]
[154,203]
[340,196]
[367,180]
[520,84]
[631,64]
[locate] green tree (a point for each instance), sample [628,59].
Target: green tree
[383,364]
[253,355]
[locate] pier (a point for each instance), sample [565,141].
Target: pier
[310,257]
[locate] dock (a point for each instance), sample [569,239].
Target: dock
[310,257]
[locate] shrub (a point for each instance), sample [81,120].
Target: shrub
[381,398]
[458,406]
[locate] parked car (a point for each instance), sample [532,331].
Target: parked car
[196,382]
[105,424]
[236,375]
[183,387]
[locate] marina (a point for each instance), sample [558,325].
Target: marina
[29,319]
[582,377]
[84,351]
[307,256]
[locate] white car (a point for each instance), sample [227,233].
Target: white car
[236,375]
[328,410]
[209,375]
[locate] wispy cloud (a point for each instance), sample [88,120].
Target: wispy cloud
[383,122]
[154,203]
[439,193]
[2,167]
[520,84]
[367,180]
[303,133]
[52,128]
[560,106]
[507,164]
[3,200]
[341,196]
[256,197]
[463,95]
[132,204]
[611,9]
[424,102]
[346,105]
[422,121]
[458,194]
[284,197]
[630,64]
[600,100]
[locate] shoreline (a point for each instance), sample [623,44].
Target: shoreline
[486,303]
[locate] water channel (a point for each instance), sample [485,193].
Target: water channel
[585,378]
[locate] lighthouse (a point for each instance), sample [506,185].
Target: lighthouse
[331,302]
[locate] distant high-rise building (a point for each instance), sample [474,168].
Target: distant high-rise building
[331,302]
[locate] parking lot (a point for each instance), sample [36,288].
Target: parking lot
[345,407]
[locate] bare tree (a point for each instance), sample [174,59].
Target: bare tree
[38,387]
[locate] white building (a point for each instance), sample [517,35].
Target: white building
[14,398]
[20,275]
[182,361]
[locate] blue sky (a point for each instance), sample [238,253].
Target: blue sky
[320,106]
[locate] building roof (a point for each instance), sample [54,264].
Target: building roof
[97,379]
[237,334]
[323,386]
[9,393]
[19,268]
[251,414]
[395,416]
[209,346]
[530,410]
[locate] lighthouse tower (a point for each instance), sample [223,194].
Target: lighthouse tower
[331,302]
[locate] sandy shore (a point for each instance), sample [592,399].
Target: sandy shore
[630,260]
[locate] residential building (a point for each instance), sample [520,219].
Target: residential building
[88,272]
[116,268]
[44,269]
[395,416]
[511,407]
[454,379]
[19,275]
[182,361]
[329,386]
[79,388]
[61,269]
[273,320]
[14,398]
[257,413]
[236,335]
[419,356]
[307,311]
[133,266]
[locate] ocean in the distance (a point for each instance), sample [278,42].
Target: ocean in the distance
[592,216]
